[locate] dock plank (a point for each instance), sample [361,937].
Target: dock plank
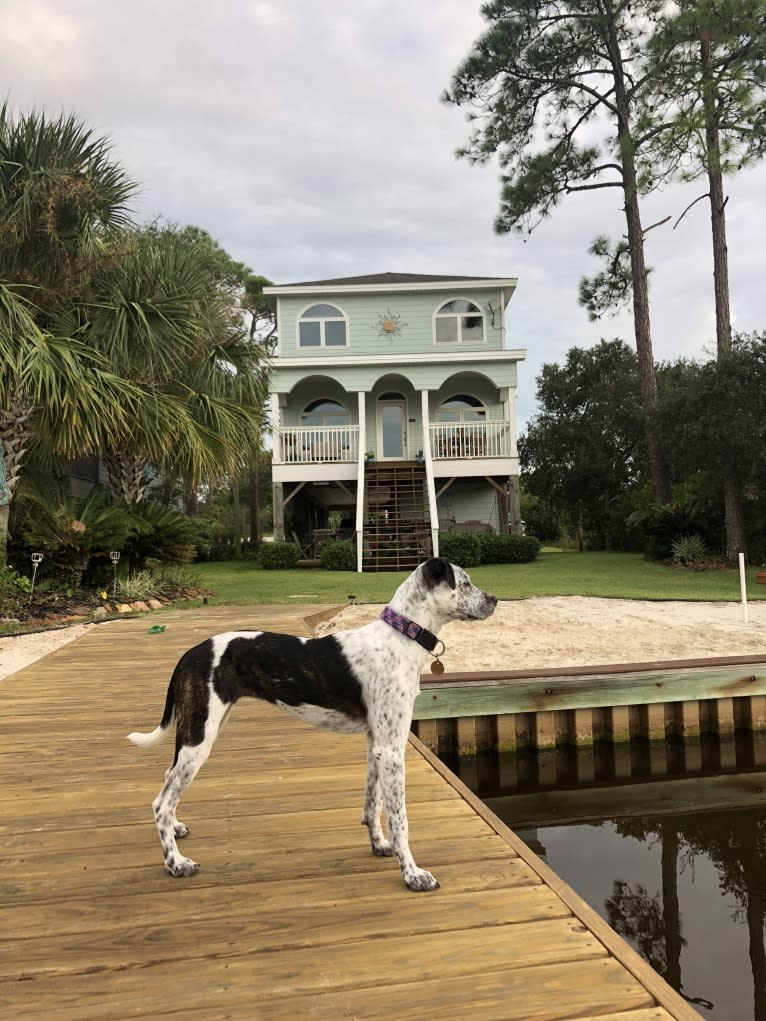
[290,916]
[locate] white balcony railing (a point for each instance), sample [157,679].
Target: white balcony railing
[319,444]
[470,439]
[340,443]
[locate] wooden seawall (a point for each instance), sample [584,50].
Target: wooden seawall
[290,916]
[658,701]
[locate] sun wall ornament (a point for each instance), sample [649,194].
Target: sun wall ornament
[389,325]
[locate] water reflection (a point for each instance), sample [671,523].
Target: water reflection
[685,885]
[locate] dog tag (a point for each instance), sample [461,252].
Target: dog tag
[437,667]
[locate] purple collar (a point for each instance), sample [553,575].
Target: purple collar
[409,628]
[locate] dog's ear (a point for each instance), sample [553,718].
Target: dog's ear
[437,570]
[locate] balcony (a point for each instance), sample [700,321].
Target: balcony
[319,445]
[339,444]
[463,440]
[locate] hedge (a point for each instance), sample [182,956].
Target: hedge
[274,556]
[338,556]
[461,548]
[469,549]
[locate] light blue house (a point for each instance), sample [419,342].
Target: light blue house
[393,405]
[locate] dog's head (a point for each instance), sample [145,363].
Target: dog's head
[452,594]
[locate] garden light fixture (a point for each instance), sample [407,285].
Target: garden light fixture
[114,556]
[36,558]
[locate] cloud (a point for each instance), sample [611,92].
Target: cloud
[309,139]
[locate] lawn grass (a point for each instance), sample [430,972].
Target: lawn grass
[613,575]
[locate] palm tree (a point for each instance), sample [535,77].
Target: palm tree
[61,198]
[161,319]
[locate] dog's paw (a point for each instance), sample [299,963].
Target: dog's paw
[183,867]
[420,881]
[382,849]
[180,831]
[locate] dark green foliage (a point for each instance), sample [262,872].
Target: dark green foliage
[689,549]
[587,446]
[159,534]
[212,539]
[661,524]
[70,531]
[338,556]
[611,289]
[508,549]
[461,548]
[14,594]
[275,556]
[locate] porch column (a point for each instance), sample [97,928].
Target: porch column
[508,398]
[277,489]
[360,480]
[430,484]
[278,509]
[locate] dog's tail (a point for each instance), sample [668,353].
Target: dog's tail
[159,733]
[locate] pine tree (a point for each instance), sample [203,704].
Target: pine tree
[540,80]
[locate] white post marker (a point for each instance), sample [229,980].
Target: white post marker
[743,587]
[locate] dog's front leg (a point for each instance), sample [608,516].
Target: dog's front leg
[390,761]
[373,803]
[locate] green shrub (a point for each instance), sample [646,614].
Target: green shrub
[491,546]
[461,548]
[521,549]
[661,524]
[689,549]
[138,585]
[508,549]
[338,556]
[14,594]
[275,556]
[160,534]
[70,531]
[174,578]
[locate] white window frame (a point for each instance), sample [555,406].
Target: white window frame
[322,415]
[321,320]
[437,314]
[462,421]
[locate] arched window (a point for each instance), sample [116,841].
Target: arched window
[461,428]
[459,322]
[325,412]
[322,326]
[461,409]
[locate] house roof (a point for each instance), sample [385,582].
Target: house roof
[384,282]
[387,278]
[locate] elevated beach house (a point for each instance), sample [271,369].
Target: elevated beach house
[393,413]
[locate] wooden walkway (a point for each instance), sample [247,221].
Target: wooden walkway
[290,916]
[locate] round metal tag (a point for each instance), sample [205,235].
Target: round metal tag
[437,667]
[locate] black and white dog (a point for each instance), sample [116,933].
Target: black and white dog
[364,680]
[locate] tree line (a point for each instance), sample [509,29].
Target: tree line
[586,462]
[142,344]
[678,93]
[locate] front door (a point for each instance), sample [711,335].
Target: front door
[392,429]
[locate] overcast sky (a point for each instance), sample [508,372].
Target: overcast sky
[308,138]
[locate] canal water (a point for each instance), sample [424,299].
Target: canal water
[677,867]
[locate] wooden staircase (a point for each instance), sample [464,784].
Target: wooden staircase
[397,533]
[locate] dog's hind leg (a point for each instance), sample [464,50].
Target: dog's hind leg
[373,803]
[189,760]
[180,830]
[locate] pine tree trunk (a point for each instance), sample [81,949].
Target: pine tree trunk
[641,319]
[736,542]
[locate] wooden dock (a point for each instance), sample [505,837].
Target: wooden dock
[290,916]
